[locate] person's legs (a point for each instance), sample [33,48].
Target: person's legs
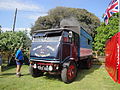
[19,65]
[18,68]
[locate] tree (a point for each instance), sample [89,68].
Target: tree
[0,29]
[86,19]
[11,41]
[104,32]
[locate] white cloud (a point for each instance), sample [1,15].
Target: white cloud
[35,16]
[18,29]
[6,29]
[12,4]
[23,6]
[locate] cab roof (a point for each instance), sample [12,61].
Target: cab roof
[70,28]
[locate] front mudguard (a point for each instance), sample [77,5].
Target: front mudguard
[67,63]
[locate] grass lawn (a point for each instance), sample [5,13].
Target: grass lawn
[95,78]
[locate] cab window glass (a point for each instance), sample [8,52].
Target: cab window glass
[66,37]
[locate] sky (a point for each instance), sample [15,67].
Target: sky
[30,10]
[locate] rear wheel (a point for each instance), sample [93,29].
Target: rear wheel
[35,72]
[88,64]
[69,73]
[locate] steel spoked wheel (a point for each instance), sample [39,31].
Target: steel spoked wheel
[69,74]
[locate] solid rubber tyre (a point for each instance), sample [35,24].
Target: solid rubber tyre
[68,74]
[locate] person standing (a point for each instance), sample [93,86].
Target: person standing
[19,61]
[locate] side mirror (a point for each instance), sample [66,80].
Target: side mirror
[70,34]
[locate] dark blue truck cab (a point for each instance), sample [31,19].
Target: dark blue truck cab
[60,51]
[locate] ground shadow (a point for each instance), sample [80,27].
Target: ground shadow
[26,74]
[52,77]
[83,72]
[6,67]
[1,76]
[5,74]
[80,74]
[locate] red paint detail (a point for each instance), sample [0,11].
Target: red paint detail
[74,52]
[85,52]
[45,63]
[65,39]
[112,59]
[71,72]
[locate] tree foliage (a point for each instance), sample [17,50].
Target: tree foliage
[0,29]
[86,19]
[10,41]
[104,32]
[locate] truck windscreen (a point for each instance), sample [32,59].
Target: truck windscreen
[47,37]
[45,44]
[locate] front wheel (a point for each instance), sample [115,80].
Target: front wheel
[35,72]
[68,74]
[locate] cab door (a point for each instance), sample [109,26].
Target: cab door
[66,46]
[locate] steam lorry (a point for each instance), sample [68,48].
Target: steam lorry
[60,51]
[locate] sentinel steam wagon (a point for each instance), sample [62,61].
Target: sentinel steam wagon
[60,51]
